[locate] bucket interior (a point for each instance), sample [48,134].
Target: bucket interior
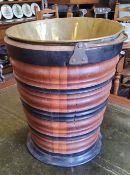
[65,30]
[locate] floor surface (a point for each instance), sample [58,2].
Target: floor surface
[15,159]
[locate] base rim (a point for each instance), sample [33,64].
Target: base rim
[62,161]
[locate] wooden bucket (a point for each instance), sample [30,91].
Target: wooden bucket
[64,89]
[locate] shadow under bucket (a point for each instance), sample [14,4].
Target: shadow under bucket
[64,70]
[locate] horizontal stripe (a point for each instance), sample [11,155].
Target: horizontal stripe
[73,116]
[61,58]
[78,137]
[65,147]
[63,91]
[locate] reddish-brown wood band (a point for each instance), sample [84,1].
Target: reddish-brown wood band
[65,147]
[64,77]
[65,129]
[65,103]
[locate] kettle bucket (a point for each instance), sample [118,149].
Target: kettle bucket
[64,70]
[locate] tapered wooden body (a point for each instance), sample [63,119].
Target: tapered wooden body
[64,101]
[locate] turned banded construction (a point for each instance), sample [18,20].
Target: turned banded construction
[64,87]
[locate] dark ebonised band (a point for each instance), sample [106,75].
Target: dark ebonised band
[67,138]
[68,160]
[63,91]
[61,117]
[61,58]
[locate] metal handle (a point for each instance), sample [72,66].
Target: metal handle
[79,56]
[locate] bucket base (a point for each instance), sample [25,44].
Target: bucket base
[64,160]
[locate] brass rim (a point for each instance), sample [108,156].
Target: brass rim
[20,32]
